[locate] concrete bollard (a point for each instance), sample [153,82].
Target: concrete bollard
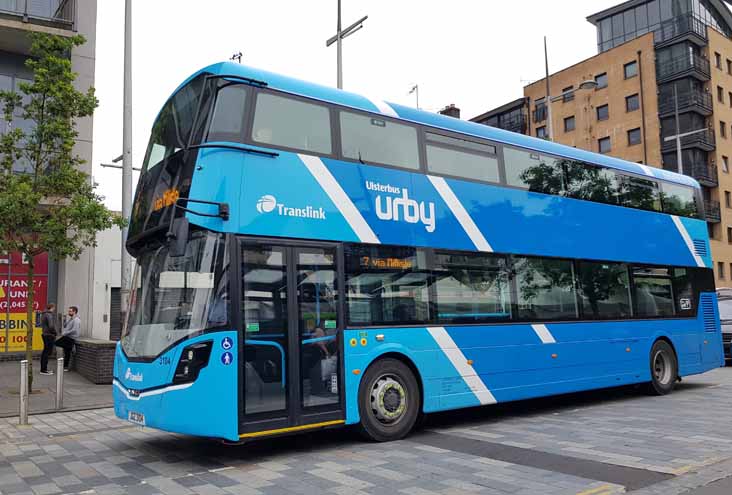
[24,392]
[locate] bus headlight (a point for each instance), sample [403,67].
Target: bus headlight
[192,360]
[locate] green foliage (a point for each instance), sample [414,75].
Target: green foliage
[47,204]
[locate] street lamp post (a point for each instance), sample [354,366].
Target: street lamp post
[126,261]
[584,85]
[338,39]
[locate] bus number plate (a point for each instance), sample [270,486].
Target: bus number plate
[136,417]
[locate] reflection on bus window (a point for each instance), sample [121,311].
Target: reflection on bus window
[679,200]
[471,288]
[653,295]
[604,290]
[545,288]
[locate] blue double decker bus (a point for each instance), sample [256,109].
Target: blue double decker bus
[310,258]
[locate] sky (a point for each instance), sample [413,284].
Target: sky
[476,54]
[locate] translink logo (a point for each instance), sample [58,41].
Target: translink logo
[269,204]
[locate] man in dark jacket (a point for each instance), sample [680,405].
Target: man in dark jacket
[48,325]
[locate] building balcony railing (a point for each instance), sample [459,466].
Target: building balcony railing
[56,13]
[703,140]
[696,101]
[712,212]
[515,124]
[707,175]
[679,28]
[687,65]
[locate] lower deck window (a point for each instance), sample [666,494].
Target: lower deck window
[653,294]
[604,290]
[545,288]
[386,285]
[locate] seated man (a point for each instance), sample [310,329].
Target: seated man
[69,334]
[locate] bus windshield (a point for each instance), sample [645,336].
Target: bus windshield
[177,297]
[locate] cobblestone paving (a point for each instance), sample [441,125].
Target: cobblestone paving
[684,436]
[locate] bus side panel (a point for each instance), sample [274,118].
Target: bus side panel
[206,407]
[473,365]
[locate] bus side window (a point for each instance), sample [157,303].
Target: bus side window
[292,123]
[372,139]
[227,122]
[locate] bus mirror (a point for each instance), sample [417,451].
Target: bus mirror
[178,237]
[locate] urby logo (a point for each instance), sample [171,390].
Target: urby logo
[412,211]
[133,377]
[268,204]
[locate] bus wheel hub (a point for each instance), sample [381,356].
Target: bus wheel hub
[388,399]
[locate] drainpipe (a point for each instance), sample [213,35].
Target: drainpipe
[643,108]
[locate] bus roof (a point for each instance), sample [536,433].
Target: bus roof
[348,99]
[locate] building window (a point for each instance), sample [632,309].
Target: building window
[720,270]
[718,60]
[725,164]
[569,124]
[568,94]
[604,145]
[720,94]
[722,129]
[541,132]
[634,136]
[601,80]
[630,69]
[632,103]
[727,199]
[729,235]
[729,67]
[711,231]
[603,112]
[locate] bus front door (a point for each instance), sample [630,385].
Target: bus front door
[291,377]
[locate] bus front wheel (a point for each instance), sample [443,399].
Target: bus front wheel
[388,400]
[664,369]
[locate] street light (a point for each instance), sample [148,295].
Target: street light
[584,86]
[338,38]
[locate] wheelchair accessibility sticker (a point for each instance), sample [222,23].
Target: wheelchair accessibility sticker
[227,343]
[227,358]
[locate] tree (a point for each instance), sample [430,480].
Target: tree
[47,204]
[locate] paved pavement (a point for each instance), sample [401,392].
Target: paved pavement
[599,443]
[78,391]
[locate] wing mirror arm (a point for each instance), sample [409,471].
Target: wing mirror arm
[177,234]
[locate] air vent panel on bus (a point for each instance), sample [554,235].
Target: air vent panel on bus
[708,313]
[700,247]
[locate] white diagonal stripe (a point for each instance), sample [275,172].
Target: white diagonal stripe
[383,107]
[544,334]
[457,209]
[339,198]
[458,360]
[687,239]
[646,169]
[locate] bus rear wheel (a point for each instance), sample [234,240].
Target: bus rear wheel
[388,400]
[664,369]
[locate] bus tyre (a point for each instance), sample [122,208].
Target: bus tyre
[388,401]
[664,369]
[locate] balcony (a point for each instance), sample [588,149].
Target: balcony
[703,140]
[695,101]
[515,124]
[682,28]
[711,211]
[687,65]
[705,174]
[54,13]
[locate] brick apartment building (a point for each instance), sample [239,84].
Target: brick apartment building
[655,58]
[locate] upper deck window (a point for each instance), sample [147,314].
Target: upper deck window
[292,123]
[368,138]
[679,200]
[172,129]
[456,157]
[227,122]
[532,171]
